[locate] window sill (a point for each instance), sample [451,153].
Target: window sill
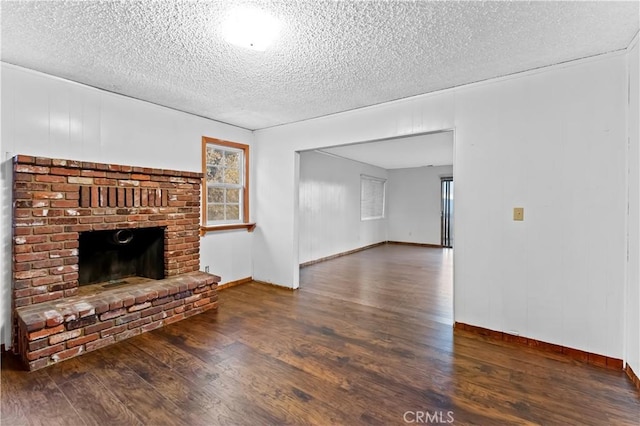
[248,226]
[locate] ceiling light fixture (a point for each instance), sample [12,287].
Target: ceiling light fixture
[251,28]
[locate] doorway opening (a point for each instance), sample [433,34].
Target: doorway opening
[328,222]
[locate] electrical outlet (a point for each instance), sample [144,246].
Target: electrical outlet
[518,213]
[206,268]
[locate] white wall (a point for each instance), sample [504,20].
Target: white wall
[50,117]
[632,353]
[414,204]
[551,141]
[329,203]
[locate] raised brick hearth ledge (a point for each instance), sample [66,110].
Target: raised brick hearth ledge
[57,330]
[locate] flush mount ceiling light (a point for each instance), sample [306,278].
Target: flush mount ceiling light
[251,28]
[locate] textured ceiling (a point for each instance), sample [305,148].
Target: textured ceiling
[434,149]
[332,56]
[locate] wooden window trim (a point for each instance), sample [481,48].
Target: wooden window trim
[246,224]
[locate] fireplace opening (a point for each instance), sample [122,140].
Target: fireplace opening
[111,257]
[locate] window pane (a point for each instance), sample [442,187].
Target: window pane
[232,176]
[233,212]
[215,212]
[232,160]
[214,157]
[215,195]
[233,195]
[214,174]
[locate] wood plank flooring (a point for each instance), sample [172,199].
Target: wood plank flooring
[367,339]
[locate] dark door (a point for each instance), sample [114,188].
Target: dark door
[446,212]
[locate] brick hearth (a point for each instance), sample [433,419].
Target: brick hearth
[54,201]
[54,331]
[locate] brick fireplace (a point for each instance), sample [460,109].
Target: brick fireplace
[101,253]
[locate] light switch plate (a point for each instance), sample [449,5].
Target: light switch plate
[518,213]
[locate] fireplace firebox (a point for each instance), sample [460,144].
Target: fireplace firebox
[109,256]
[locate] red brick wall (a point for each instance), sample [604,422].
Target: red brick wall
[56,199]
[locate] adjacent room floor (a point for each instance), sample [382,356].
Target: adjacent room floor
[367,339]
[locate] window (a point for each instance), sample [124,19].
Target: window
[371,197]
[225,189]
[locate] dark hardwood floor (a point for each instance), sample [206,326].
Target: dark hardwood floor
[367,339]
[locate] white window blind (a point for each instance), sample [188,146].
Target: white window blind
[371,197]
